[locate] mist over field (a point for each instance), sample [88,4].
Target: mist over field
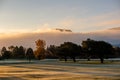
[56,37]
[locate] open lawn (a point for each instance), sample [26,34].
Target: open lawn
[55,70]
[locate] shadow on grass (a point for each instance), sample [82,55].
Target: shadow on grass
[11,78]
[38,76]
[6,63]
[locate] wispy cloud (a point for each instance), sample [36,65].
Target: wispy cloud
[105,16]
[108,23]
[99,22]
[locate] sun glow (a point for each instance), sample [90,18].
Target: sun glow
[44,30]
[49,30]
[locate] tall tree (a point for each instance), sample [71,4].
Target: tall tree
[3,51]
[86,47]
[116,52]
[69,49]
[101,49]
[15,53]
[11,48]
[51,51]
[21,52]
[30,54]
[5,54]
[40,49]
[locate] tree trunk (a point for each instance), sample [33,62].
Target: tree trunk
[74,59]
[102,60]
[29,60]
[65,59]
[88,58]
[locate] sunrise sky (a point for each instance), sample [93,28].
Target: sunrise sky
[77,15]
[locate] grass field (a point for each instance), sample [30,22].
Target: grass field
[55,70]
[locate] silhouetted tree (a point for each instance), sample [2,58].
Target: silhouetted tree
[6,55]
[15,53]
[21,52]
[3,51]
[62,53]
[116,52]
[11,48]
[69,49]
[86,47]
[30,54]
[0,57]
[40,49]
[100,49]
[104,49]
[51,51]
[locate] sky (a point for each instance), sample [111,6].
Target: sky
[77,15]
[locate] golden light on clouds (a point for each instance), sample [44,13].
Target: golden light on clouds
[110,22]
[43,30]
[8,35]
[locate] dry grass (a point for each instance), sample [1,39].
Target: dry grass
[45,70]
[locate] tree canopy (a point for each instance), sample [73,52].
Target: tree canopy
[101,49]
[30,54]
[40,49]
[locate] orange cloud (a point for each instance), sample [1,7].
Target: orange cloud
[108,23]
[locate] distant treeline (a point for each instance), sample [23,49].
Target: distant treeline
[68,50]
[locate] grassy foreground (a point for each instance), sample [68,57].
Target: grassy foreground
[55,70]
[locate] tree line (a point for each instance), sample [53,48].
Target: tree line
[20,52]
[68,50]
